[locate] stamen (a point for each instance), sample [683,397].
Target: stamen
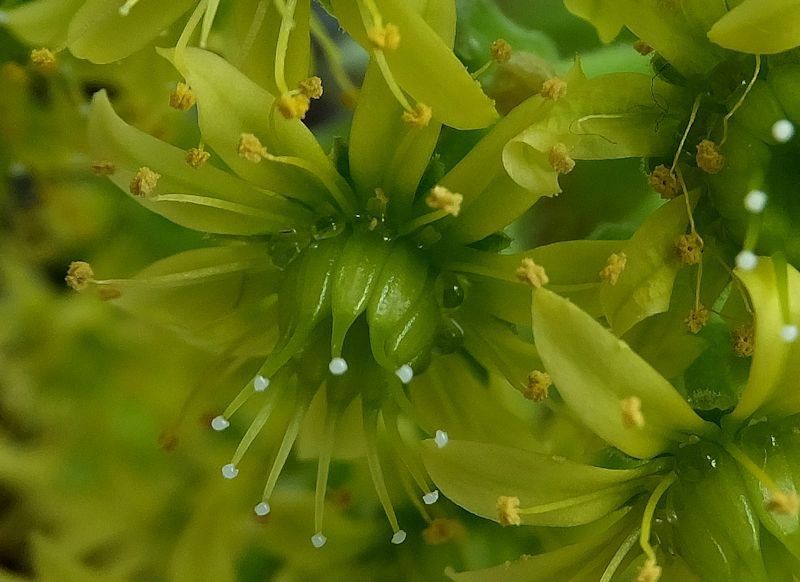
[258,423]
[689,248]
[399,537]
[390,421]
[440,198]
[384,37]
[553,89]
[373,461]
[650,572]
[692,118]
[43,58]
[647,522]
[559,159]
[405,373]
[783,131]
[293,105]
[783,503]
[614,268]
[287,24]
[755,201]
[441,439]
[103,168]
[697,319]
[740,102]
[743,339]
[642,48]
[230,471]
[746,260]
[262,509]
[324,463]
[260,383]
[632,416]
[500,50]
[508,511]
[144,182]
[125,9]
[431,497]
[664,181]
[182,98]
[780,501]
[318,540]
[197,157]
[251,148]
[337,366]
[538,386]
[709,158]
[532,274]
[289,437]
[311,87]
[220,423]
[419,117]
[79,275]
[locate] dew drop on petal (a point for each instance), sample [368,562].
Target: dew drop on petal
[260,383]
[230,471]
[755,201]
[783,130]
[318,540]
[432,497]
[220,423]
[441,438]
[338,366]
[789,333]
[405,373]
[262,509]
[746,260]
[399,537]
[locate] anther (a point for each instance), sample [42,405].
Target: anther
[632,416]
[783,503]
[103,168]
[614,268]
[107,293]
[500,51]
[399,537]
[182,98]
[743,339]
[405,373]
[697,319]
[441,439]
[419,116]
[650,572]
[144,182]
[251,148]
[293,105]
[230,471]
[318,540]
[125,9]
[553,89]
[642,48]
[311,87]
[508,510]
[689,248]
[441,198]
[709,159]
[337,366]
[755,201]
[664,181]
[538,386]
[532,274]
[442,530]
[746,260]
[197,157]
[783,130]
[260,383]
[262,509]
[789,333]
[431,497]
[559,159]
[43,58]
[220,423]
[79,275]
[384,37]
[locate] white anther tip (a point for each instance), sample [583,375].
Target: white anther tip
[431,498]
[783,130]
[262,509]
[220,423]
[318,540]
[124,10]
[260,383]
[441,439]
[405,373]
[338,366]
[746,260]
[399,537]
[755,201]
[230,471]
[789,333]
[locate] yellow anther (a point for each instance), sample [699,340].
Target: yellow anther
[697,318]
[168,440]
[420,116]
[632,416]
[103,168]
[441,198]
[311,87]
[14,73]
[532,274]
[384,37]
[293,105]
[538,387]
[251,148]
[614,268]
[349,98]
[709,159]
[559,159]
[642,48]
[553,89]
[783,503]
[650,572]
[197,157]
[744,340]
[500,51]
[79,275]
[107,293]
[442,530]
[508,510]
[664,181]
[689,248]
[144,182]
[182,98]
[43,58]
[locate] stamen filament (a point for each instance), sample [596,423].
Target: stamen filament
[692,118]
[323,468]
[252,32]
[383,65]
[749,465]
[390,418]
[741,100]
[371,429]
[188,31]
[421,221]
[258,423]
[572,501]
[333,55]
[289,437]
[208,22]
[623,550]
[649,511]
[287,24]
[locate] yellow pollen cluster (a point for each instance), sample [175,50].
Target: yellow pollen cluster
[508,510]
[689,248]
[554,89]
[420,116]
[103,168]
[442,530]
[538,387]
[182,98]
[783,503]
[441,198]
[500,51]
[709,159]
[642,48]
[311,87]
[293,105]
[559,159]
[532,274]
[614,268]
[251,148]
[197,157]
[744,340]
[385,37]
[79,275]
[697,318]
[632,416]
[650,572]
[663,181]
[144,182]
[43,58]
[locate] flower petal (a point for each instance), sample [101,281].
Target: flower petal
[43,22]
[759,27]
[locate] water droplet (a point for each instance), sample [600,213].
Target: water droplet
[262,509]
[220,423]
[449,291]
[327,227]
[230,471]
[431,498]
[260,383]
[399,537]
[318,540]
[405,373]
[285,246]
[441,438]
[337,366]
[450,337]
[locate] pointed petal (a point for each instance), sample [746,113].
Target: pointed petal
[759,27]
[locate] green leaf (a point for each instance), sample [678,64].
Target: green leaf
[204,199]
[645,286]
[760,27]
[424,64]
[594,371]
[563,493]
